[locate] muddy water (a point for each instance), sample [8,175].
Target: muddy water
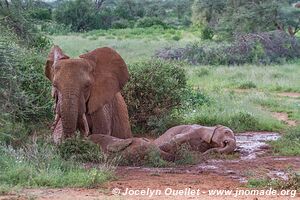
[254,143]
[250,145]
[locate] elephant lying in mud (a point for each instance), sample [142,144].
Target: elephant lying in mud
[203,139]
[87,93]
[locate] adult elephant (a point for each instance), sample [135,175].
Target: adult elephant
[87,91]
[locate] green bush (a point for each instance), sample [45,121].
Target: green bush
[155,89]
[150,21]
[80,150]
[25,92]
[207,33]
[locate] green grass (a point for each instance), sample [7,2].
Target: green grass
[234,110]
[272,78]
[293,182]
[40,165]
[288,144]
[133,44]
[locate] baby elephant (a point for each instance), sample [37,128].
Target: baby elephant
[204,139]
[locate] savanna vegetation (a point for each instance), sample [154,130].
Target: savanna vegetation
[191,61]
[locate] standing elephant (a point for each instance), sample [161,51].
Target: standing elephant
[87,93]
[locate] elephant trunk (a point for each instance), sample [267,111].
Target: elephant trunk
[69,113]
[229,146]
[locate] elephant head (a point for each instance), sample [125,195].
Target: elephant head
[223,140]
[85,84]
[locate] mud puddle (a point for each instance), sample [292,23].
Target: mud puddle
[253,148]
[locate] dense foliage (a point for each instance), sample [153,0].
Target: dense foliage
[154,90]
[261,48]
[84,15]
[227,18]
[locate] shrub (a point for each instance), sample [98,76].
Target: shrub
[25,92]
[260,48]
[80,150]
[150,21]
[155,88]
[207,33]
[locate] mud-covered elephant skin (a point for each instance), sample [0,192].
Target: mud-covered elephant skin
[134,149]
[219,139]
[87,93]
[204,139]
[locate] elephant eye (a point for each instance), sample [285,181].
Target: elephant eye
[87,85]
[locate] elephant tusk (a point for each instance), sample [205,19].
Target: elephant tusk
[86,126]
[56,119]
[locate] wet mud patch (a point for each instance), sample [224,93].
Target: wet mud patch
[254,161]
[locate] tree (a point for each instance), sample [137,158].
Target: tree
[80,14]
[288,19]
[231,17]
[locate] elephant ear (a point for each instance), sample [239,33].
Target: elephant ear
[110,76]
[54,55]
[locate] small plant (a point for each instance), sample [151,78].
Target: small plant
[153,159]
[184,155]
[80,150]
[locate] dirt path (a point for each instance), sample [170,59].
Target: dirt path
[281,116]
[213,174]
[290,94]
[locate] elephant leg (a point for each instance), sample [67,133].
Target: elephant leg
[175,142]
[120,119]
[101,121]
